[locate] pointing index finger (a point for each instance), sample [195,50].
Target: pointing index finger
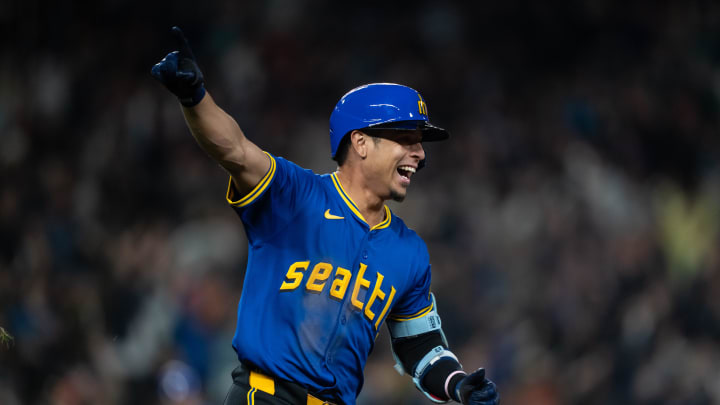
[182,42]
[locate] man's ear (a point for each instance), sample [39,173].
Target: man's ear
[359,143]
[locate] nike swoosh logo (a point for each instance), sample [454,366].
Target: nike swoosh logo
[328,215]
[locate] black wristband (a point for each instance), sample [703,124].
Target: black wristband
[435,378]
[195,98]
[452,384]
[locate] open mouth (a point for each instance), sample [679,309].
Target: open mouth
[406,171]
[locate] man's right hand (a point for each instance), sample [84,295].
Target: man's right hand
[475,389]
[179,72]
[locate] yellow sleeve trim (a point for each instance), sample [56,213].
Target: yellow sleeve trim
[419,314]
[258,190]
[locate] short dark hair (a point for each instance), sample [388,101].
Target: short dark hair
[341,153]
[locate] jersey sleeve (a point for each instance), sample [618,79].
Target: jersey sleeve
[284,191]
[416,301]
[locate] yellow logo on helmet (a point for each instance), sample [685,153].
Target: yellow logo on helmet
[422,107]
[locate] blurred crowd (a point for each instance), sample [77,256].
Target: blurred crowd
[572,219]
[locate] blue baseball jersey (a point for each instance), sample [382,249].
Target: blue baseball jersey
[320,281]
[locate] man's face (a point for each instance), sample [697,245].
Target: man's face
[393,157]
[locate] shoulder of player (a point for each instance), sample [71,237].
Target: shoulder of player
[406,233]
[287,163]
[290,166]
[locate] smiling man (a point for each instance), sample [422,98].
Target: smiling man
[328,261]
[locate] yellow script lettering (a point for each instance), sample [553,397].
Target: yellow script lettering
[340,284]
[387,305]
[359,282]
[320,272]
[377,293]
[295,275]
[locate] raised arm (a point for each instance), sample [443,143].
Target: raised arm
[216,132]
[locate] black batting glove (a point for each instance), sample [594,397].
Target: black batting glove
[475,389]
[179,72]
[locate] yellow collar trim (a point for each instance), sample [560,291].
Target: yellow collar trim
[353,207]
[386,222]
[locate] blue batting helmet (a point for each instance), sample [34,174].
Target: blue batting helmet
[381,105]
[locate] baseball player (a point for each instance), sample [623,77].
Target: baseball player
[328,261]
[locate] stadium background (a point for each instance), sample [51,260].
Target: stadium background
[572,220]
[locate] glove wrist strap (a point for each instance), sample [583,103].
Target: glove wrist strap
[193,100]
[451,384]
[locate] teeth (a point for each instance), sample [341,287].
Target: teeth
[408,169]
